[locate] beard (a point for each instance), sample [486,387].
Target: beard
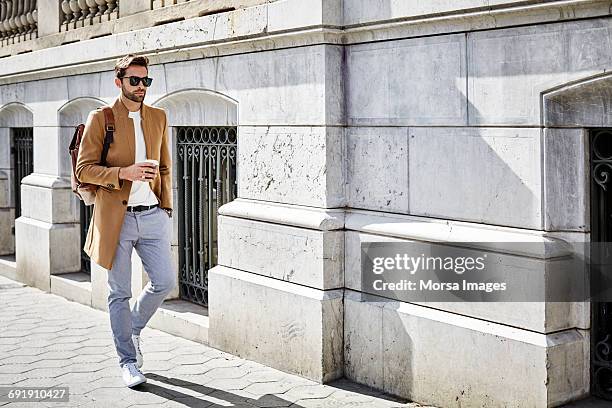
[132,96]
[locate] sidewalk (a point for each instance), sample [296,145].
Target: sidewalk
[46,341]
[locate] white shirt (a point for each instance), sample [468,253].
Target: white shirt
[141,193]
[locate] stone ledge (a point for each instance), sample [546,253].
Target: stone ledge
[74,286]
[8,267]
[182,318]
[359,13]
[460,21]
[489,237]
[471,323]
[9,284]
[286,214]
[276,284]
[541,244]
[47,181]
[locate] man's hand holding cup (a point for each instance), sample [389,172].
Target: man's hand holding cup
[143,171]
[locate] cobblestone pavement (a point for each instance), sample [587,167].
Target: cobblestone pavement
[46,341]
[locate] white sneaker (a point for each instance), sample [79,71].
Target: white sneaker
[136,340]
[132,375]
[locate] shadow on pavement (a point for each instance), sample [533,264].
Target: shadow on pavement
[211,393]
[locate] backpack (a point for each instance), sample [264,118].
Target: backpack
[86,192]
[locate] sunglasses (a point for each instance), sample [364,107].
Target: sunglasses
[134,80]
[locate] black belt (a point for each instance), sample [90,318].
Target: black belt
[138,208]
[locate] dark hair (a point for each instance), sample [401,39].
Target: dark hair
[124,62]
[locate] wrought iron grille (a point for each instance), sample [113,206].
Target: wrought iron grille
[23,159]
[207,179]
[601,231]
[86,213]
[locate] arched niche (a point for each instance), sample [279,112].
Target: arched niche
[12,115]
[199,107]
[577,177]
[569,111]
[196,107]
[76,110]
[585,104]
[69,115]
[15,114]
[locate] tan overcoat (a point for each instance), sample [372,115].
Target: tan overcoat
[112,196]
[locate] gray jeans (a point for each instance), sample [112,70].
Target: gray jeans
[149,233]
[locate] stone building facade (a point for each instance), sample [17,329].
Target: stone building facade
[356,121]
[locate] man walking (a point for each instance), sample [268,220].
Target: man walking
[133,207]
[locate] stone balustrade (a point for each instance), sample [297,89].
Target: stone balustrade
[155,4]
[18,21]
[81,13]
[68,21]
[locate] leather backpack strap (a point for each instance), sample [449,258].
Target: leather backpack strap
[76,137]
[109,129]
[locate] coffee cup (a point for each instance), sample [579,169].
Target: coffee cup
[154,162]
